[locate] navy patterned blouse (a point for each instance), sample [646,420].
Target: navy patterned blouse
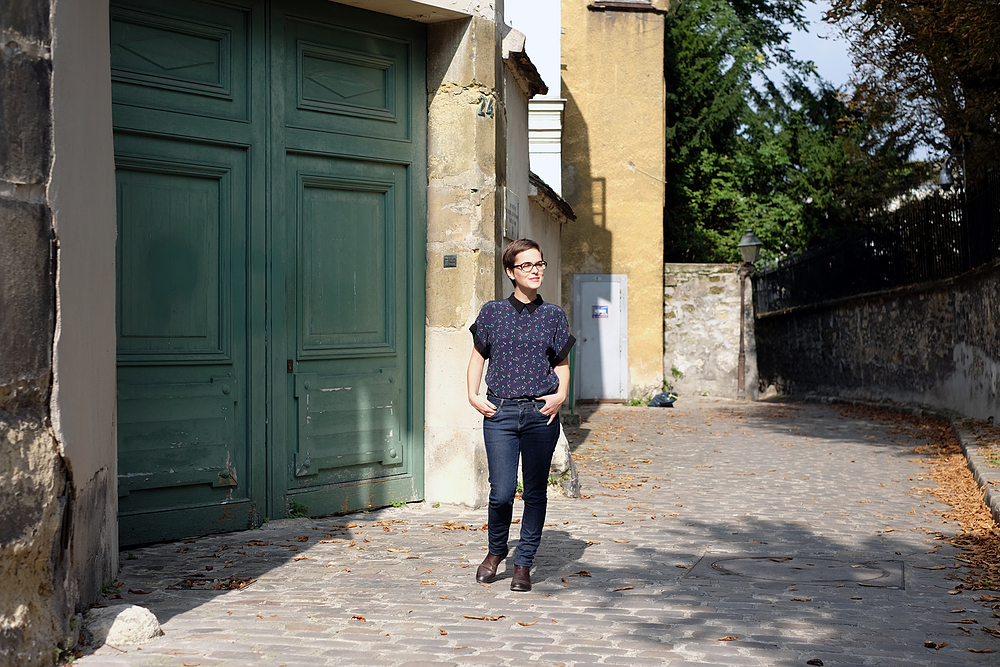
[524,342]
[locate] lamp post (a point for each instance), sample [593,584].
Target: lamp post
[750,250]
[946,180]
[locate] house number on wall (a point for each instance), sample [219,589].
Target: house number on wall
[485,105]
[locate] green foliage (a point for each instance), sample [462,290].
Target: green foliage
[794,162]
[676,374]
[398,503]
[296,510]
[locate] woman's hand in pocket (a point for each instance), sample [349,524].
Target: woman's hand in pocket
[484,407]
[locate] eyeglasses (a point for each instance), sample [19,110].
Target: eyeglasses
[527,266]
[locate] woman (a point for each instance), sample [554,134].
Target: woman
[527,342]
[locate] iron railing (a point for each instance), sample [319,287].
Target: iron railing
[937,237]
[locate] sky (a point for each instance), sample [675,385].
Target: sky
[824,45]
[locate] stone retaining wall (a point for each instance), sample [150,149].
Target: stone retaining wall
[701,336]
[935,344]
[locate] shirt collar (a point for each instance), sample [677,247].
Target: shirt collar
[520,306]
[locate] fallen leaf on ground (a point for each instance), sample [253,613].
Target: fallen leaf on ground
[613,523]
[442,631]
[526,624]
[356,617]
[485,618]
[936,647]
[137,591]
[190,664]
[988,598]
[425,582]
[581,573]
[398,551]
[301,558]
[624,588]
[621,541]
[727,638]
[970,621]
[979,650]
[955,591]
[802,599]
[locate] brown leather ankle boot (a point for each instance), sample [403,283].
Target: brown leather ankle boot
[521,581]
[487,571]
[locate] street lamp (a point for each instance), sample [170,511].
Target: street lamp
[946,179]
[750,250]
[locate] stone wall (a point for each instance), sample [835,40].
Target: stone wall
[701,335]
[936,344]
[37,595]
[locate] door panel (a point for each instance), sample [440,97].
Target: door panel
[183,56]
[347,257]
[345,78]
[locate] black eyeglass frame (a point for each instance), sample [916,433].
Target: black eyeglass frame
[536,265]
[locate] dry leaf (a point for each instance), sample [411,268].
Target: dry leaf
[613,523]
[137,591]
[581,573]
[727,638]
[624,588]
[398,551]
[301,558]
[621,541]
[190,664]
[936,647]
[458,648]
[802,599]
[526,624]
[359,618]
[955,591]
[987,598]
[425,582]
[969,621]
[485,618]
[980,650]
[992,631]
[442,631]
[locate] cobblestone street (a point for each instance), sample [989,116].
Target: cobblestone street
[714,533]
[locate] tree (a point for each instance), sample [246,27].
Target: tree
[930,69]
[795,165]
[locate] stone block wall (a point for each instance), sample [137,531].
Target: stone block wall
[701,335]
[38,594]
[936,344]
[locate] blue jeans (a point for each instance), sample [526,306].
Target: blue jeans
[518,429]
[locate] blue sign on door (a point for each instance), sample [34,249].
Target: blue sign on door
[599,312]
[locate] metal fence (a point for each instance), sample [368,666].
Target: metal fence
[939,236]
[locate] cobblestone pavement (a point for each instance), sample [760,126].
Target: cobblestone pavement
[715,533]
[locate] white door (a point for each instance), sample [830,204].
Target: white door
[600,319]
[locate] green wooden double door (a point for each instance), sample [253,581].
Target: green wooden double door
[271,176]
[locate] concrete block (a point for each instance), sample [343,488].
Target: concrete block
[25,117]
[27,284]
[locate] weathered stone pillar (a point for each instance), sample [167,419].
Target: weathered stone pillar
[466,172]
[37,595]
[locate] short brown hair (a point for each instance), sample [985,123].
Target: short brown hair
[516,248]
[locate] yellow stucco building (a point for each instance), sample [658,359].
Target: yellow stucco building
[613,168]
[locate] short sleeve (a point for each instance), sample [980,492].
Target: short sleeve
[481,330]
[562,339]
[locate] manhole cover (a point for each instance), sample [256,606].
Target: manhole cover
[801,570]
